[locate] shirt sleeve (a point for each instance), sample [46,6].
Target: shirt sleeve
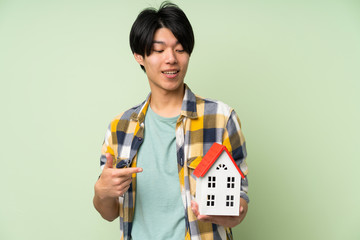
[106,147]
[235,142]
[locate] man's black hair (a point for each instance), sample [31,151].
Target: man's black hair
[149,20]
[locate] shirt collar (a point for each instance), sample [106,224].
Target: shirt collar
[188,107]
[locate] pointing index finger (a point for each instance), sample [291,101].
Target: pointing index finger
[128,171]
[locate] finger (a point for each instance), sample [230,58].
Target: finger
[109,161]
[125,185]
[204,218]
[122,192]
[220,220]
[227,221]
[127,172]
[120,181]
[195,208]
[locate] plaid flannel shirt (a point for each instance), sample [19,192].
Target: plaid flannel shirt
[201,123]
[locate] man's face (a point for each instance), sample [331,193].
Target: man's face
[167,63]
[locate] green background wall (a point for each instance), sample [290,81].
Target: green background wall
[289,68]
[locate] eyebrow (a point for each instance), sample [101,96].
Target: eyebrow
[163,43]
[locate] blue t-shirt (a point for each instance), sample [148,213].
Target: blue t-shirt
[159,210]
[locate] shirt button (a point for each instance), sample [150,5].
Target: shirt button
[140,139]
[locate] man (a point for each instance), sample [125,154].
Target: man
[151,150]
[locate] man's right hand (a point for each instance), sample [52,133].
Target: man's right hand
[112,184]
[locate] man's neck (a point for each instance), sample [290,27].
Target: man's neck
[167,104]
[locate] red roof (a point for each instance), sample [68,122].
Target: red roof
[209,159]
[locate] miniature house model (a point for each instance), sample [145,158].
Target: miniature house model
[218,183]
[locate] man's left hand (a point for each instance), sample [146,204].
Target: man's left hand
[226,221]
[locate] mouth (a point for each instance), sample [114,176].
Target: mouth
[170,73]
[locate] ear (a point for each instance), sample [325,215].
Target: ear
[139,59]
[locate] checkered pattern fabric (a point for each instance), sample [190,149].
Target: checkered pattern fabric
[201,123]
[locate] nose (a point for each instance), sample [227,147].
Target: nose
[171,57]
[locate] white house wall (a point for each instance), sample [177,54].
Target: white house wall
[220,191]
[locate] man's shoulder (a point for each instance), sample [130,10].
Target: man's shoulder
[213,106]
[129,113]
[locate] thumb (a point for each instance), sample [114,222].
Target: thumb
[195,208]
[109,161]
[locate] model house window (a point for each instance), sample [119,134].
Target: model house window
[210,200]
[211,182]
[229,200]
[221,166]
[231,182]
